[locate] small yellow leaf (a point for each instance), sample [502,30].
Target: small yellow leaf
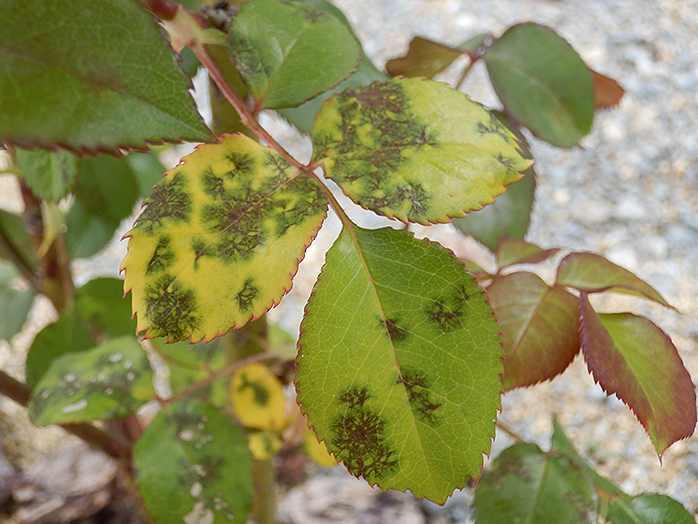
[317,450]
[263,444]
[258,398]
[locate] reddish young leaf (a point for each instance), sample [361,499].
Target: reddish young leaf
[539,328]
[593,273]
[631,357]
[512,251]
[424,59]
[607,92]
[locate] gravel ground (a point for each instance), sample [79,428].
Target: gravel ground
[627,193]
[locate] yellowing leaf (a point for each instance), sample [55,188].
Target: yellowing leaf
[219,240]
[258,398]
[317,450]
[263,444]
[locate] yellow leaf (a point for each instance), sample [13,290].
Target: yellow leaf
[258,398]
[317,450]
[263,444]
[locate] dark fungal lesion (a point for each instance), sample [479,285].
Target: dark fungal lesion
[171,309]
[163,256]
[358,437]
[448,312]
[418,386]
[168,201]
[214,186]
[393,330]
[247,295]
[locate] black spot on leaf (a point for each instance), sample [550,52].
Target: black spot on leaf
[445,316]
[245,56]
[508,163]
[240,163]
[213,186]
[163,256]
[261,395]
[355,397]
[171,308]
[168,201]
[415,194]
[393,330]
[247,295]
[417,386]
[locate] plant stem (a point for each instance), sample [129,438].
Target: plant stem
[509,431]
[106,442]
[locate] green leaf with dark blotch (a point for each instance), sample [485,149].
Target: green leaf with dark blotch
[112,380]
[105,194]
[289,52]
[399,362]
[101,303]
[512,251]
[147,169]
[219,240]
[193,466]
[560,443]
[593,273]
[62,85]
[510,214]
[14,230]
[415,150]
[650,508]
[527,485]
[631,357]
[539,328]
[50,175]
[542,82]
[14,303]
[67,335]
[424,59]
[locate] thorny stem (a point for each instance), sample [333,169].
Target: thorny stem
[110,444]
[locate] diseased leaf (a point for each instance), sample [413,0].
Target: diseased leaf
[424,59]
[593,274]
[199,458]
[102,304]
[415,150]
[110,381]
[542,82]
[527,485]
[539,328]
[14,303]
[50,175]
[289,52]
[105,194]
[512,251]
[67,335]
[650,508]
[399,362]
[219,240]
[607,92]
[258,398]
[632,358]
[63,86]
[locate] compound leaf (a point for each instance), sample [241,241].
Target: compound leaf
[399,362]
[110,381]
[415,150]
[193,466]
[50,175]
[424,59]
[593,273]
[649,508]
[632,358]
[527,485]
[289,52]
[542,82]
[61,85]
[539,328]
[219,240]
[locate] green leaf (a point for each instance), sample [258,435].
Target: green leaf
[510,214]
[193,466]
[424,59]
[539,328]
[632,358]
[219,240]
[527,485]
[67,335]
[650,508]
[289,52]
[49,175]
[14,303]
[512,251]
[110,381]
[594,274]
[106,194]
[147,169]
[542,82]
[14,230]
[62,85]
[102,304]
[415,150]
[399,362]
[560,443]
